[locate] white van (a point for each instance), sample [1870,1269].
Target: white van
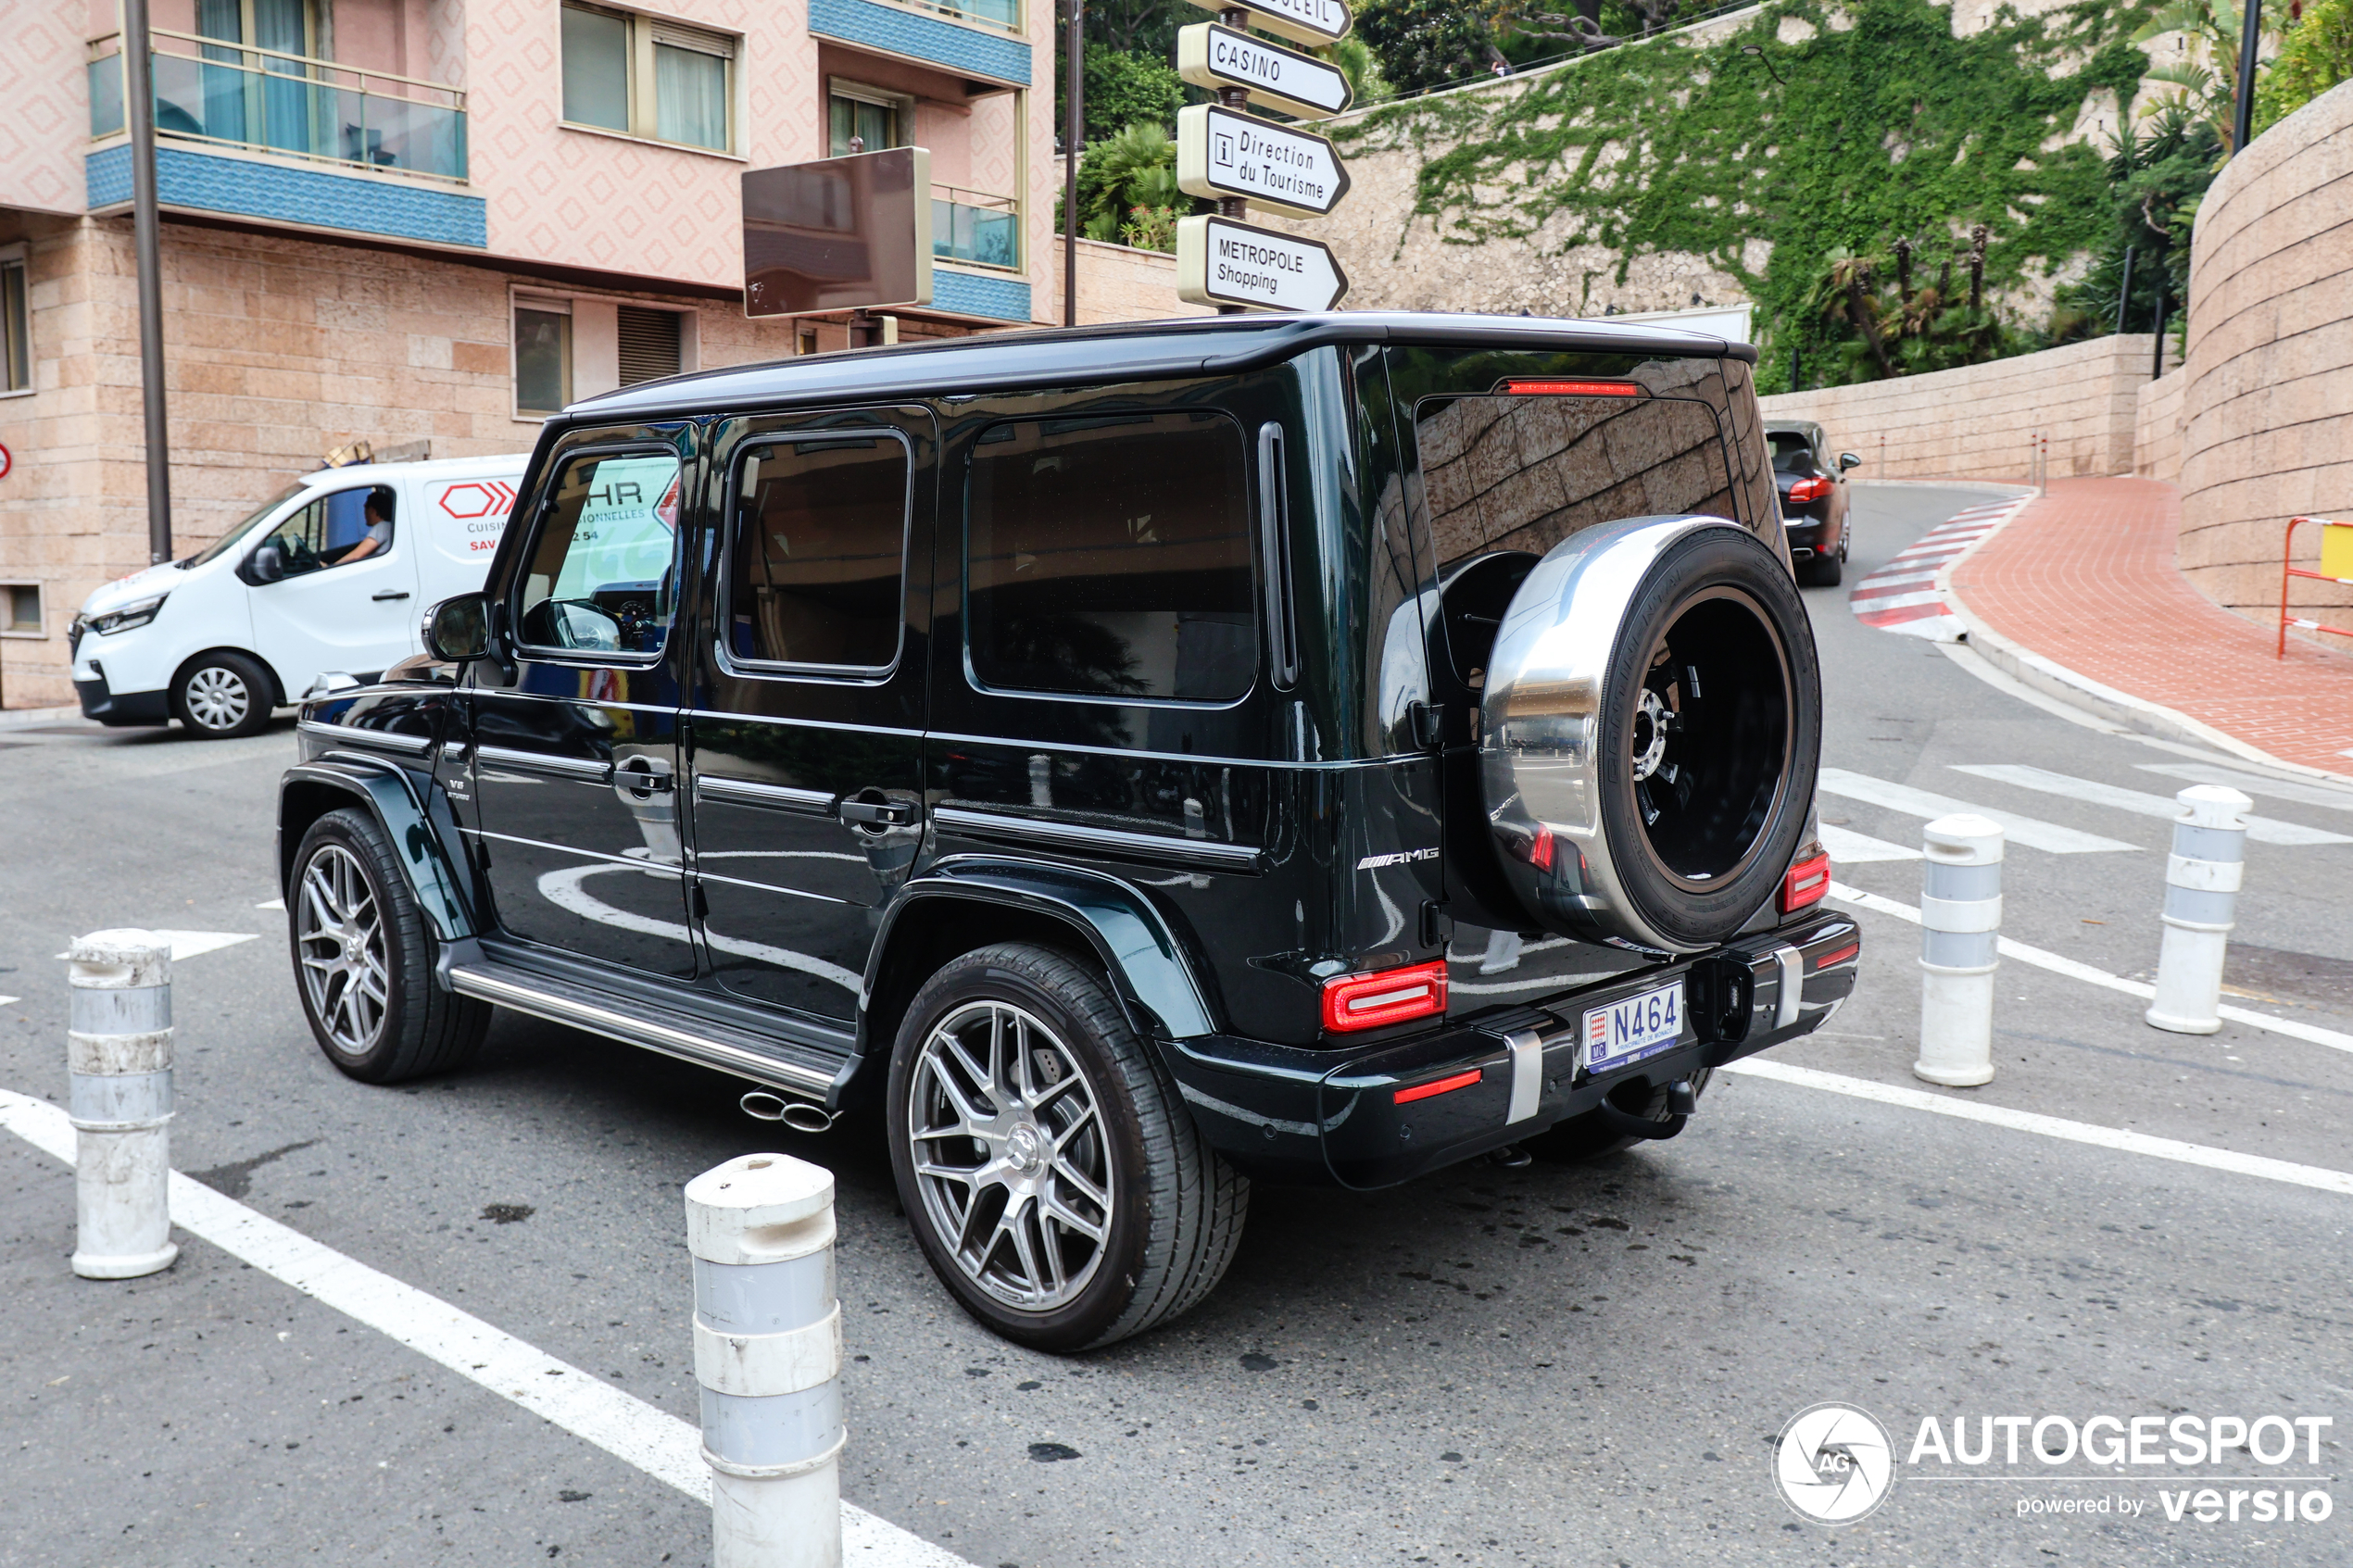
[333,575]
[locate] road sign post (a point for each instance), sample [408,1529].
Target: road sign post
[1213,56]
[1235,266]
[1223,152]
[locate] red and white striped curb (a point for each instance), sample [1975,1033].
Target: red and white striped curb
[1901,597]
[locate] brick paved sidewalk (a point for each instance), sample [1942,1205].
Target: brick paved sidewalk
[2085,578]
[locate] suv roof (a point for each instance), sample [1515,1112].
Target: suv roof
[1198,345]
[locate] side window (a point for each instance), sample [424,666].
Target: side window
[337,529]
[603,573]
[816,566]
[1525,472]
[1111,557]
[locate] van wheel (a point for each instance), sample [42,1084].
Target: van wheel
[1048,1166]
[222,696]
[363,964]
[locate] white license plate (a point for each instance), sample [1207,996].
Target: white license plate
[1637,1027]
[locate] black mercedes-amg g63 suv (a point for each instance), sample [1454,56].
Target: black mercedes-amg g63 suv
[1141,759]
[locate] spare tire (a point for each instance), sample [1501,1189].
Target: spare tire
[1649,731]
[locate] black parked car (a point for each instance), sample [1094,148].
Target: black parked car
[1143,760]
[1813,493]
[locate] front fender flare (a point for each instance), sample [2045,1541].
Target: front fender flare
[421,830]
[1147,965]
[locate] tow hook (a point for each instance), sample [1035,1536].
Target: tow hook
[1681,1099]
[799,1115]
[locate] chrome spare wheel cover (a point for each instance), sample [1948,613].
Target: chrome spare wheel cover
[1541,724]
[1010,1153]
[341,940]
[218,697]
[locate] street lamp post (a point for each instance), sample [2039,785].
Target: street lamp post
[1074,129]
[147,240]
[2250,40]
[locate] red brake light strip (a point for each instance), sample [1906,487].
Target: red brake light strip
[1571,389]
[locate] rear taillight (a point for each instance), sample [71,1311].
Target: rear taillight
[1805,882]
[1437,1086]
[1806,489]
[1369,1001]
[1830,961]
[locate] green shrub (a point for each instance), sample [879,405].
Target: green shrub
[2315,55]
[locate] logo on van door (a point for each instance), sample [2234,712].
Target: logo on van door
[482,504]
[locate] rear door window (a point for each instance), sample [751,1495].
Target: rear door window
[1525,472]
[1110,557]
[602,575]
[816,568]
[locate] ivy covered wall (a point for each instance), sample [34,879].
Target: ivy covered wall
[1641,176]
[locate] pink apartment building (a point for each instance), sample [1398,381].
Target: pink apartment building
[426,223]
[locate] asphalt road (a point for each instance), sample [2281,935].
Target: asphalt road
[1544,1365]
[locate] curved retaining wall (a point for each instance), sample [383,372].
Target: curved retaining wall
[2268,396]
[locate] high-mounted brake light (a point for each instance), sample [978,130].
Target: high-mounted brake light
[1436,1086]
[1571,389]
[1805,882]
[1392,996]
[1806,489]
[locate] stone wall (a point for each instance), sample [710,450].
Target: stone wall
[2157,428]
[278,349]
[2268,403]
[1115,283]
[1981,421]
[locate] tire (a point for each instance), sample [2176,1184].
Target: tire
[1823,572]
[222,696]
[1165,1211]
[379,1016]
[1593,1136]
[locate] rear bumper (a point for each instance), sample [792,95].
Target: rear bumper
[1808,532]
[1289,1113]
[121,708]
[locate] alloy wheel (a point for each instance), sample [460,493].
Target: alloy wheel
[1010,1155]
[218,697]
[342,945]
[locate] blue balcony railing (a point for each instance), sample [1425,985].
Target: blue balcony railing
[971,226]
[208,91]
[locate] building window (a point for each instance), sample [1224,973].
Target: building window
[21,609]
[16,326]
[543,356]
[876,120]
[649,344]
[646,76]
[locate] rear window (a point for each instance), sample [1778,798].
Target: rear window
[816,568]
[1111,557]
[1791,452]
[1525,472]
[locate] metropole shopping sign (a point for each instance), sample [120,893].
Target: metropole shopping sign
[1229,155]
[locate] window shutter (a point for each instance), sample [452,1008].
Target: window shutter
[680,36]
[648,345]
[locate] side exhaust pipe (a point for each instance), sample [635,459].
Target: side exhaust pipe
[798,1115]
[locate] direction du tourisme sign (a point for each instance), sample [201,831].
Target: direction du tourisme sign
[1236,158]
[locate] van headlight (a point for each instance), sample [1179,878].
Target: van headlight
[129,615]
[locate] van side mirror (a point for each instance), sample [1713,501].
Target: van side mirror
[267,564]
[1849,460]
[458,630]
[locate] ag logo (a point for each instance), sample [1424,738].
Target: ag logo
[1833,1463]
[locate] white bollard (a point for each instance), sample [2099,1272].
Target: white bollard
[119,1056]
[2201,892]
[768,1355]
[1960,938]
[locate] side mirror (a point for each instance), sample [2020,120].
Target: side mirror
[267,564]
[1849,460]
[458,629]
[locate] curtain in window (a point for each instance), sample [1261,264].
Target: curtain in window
[221,109]
[690,97]
[289,107]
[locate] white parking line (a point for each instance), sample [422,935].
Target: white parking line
[2119,1138]
[1863,600]
[277,904]
[1848,848]
[2255,783]
[2040,959]
[2262,830]
[5,1001]
[2029,830]
[652,1440]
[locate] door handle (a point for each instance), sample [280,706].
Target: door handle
[389,594]
[879,813]
[641,778]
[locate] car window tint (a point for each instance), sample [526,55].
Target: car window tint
[816,573]
[1791,452]
[1111,557]
[335,530]
[1523,473]
[603,576]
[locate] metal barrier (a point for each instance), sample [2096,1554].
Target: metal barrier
[2336,565]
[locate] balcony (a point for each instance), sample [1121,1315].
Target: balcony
[236,95]
[975,227]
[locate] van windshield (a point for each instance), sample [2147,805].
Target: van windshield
[228,541]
